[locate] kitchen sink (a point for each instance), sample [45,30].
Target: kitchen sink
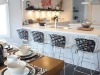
[58,27]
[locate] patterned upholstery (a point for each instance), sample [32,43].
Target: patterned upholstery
[38,36]
[58,40]
[85,44]
[23,34]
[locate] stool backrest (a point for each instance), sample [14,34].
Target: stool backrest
[38,36]
[58,40]
[85,44]
[23,34]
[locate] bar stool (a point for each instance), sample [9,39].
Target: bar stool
[61,42]
[39,39]
[23,35]
[86,45]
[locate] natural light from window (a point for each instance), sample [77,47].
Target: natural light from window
[4,20]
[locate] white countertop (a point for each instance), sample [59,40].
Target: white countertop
[95,32]
[79,24]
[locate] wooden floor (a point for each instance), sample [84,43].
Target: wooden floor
[70,69]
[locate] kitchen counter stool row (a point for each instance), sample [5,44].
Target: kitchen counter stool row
[61,41]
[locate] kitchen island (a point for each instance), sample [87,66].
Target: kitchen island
[95,32]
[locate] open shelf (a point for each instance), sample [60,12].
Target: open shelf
[44,9]
[75,11]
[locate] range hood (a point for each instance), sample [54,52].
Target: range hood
[92,2]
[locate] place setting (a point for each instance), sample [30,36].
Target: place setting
[26,54]
[17,63]
[18,68]
[22,68]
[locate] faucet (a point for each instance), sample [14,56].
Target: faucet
[56,21]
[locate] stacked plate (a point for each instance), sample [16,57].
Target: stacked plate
[32,55]
[29,70]
[20,54]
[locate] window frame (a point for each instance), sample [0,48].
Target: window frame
[8,22]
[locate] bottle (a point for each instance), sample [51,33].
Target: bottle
[1,55]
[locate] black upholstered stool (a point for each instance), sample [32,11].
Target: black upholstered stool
[61,42]
[87,46]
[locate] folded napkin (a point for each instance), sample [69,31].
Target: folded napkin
[38,70]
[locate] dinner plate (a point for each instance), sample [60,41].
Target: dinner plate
[28,71]
[6,62]
[25,57]
[20,54]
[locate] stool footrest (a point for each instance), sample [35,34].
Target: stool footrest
[82,72]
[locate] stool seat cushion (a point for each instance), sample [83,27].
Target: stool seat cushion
[58,40]
[38,36]
[85,44]
[23,34]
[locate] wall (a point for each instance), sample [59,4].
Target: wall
[81,8]
[67,5]
[93,13]
[42,14]
[39,14]
[96,14]
[15,21]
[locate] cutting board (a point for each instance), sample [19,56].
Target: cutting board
[85,29]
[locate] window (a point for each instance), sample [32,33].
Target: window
[4,20]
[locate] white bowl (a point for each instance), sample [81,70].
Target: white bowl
[24,49]
[11,58]
[3,42]
[16,67]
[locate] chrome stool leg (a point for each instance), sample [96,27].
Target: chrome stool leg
[87,45]
[39,38]
[80,62]
[61,41]
[76,66]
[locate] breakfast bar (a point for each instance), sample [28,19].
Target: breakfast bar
[66,30]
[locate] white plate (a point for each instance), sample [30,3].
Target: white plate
[25,57]
[6,62]
[26,71]
[20,54]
